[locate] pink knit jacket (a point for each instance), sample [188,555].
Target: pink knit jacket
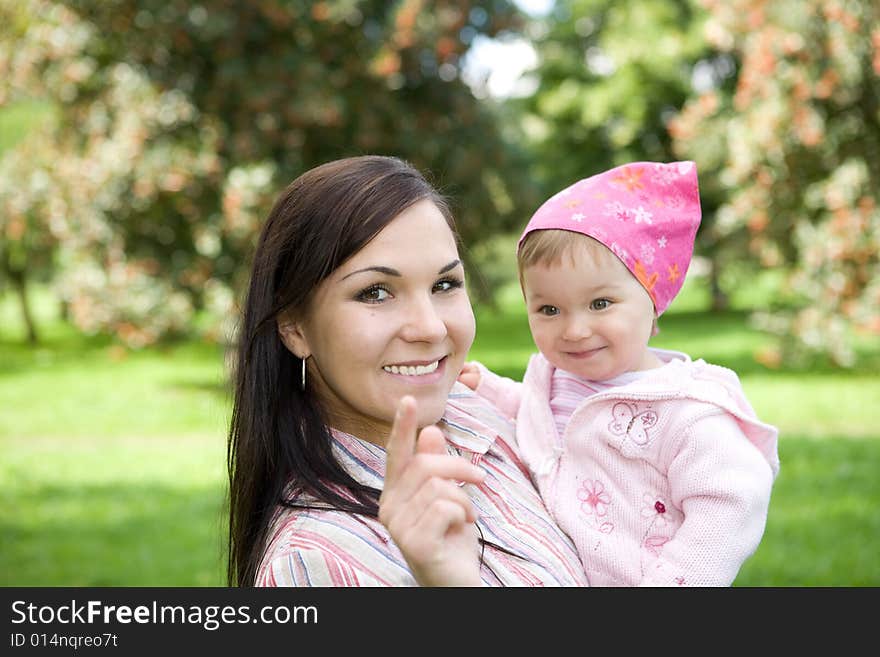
[665,481]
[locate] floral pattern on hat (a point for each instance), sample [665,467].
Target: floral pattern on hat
[647,213]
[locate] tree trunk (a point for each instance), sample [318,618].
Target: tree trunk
[720,300]
[19,282]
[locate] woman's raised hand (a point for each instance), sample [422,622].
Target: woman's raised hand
[424,507]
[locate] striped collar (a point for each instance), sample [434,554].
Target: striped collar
[469,423]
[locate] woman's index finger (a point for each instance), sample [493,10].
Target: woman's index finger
[402,441]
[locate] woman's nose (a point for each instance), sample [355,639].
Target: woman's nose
[423,322]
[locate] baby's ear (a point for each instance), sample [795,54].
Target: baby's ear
[291,334]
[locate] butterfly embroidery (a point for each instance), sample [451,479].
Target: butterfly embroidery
[628,421]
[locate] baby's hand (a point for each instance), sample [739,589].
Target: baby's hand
[470,375]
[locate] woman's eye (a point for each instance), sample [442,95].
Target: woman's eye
[447,284]
[373,294]
[548,310]
[600,304]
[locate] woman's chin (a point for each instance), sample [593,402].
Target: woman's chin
[430,411]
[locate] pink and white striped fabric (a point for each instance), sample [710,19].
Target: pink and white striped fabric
[568,391]
[333,548]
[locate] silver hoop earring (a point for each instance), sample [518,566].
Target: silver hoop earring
[302,381]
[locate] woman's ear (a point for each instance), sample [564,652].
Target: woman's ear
[293,338]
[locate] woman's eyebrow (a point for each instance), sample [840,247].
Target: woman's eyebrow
[452,265]
[382,270]
[393,272]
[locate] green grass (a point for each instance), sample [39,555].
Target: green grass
[113,461]
[112,511]
[86,387]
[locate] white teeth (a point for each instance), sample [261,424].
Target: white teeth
[410,370]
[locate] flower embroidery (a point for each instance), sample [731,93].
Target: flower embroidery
[594,499]
[661,242]
[647,254]
[674,274]
[664,174]
[616,210]
[684,167]
[577,216]
[647,281]
[654,508]
[620,252]
[642,215]
[675,202]
[572,203]
[630,178]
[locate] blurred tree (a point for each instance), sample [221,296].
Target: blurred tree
[611,76]
[26,242]
[796,142]
[179,122]
[80,184]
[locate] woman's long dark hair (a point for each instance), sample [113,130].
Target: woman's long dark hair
[279,444]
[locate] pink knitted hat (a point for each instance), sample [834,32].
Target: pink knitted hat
[646,213]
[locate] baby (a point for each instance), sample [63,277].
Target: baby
[655,465]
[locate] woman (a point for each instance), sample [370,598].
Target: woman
[355,327]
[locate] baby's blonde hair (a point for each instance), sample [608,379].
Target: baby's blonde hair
[551,246]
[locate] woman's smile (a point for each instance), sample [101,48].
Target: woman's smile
[418,372]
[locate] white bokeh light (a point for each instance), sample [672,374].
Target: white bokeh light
[497,67]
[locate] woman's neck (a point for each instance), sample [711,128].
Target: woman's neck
[376,433]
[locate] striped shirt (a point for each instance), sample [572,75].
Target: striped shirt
[325,547]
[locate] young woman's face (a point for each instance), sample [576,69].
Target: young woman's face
[589,315]
[394,319]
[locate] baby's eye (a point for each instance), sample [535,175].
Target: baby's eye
[600,304]
[373,294]
[550,311]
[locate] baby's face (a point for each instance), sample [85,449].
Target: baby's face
[589,315]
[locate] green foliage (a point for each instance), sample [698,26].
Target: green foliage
[789,141]
[176,125]
[179,123]
[611,73]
